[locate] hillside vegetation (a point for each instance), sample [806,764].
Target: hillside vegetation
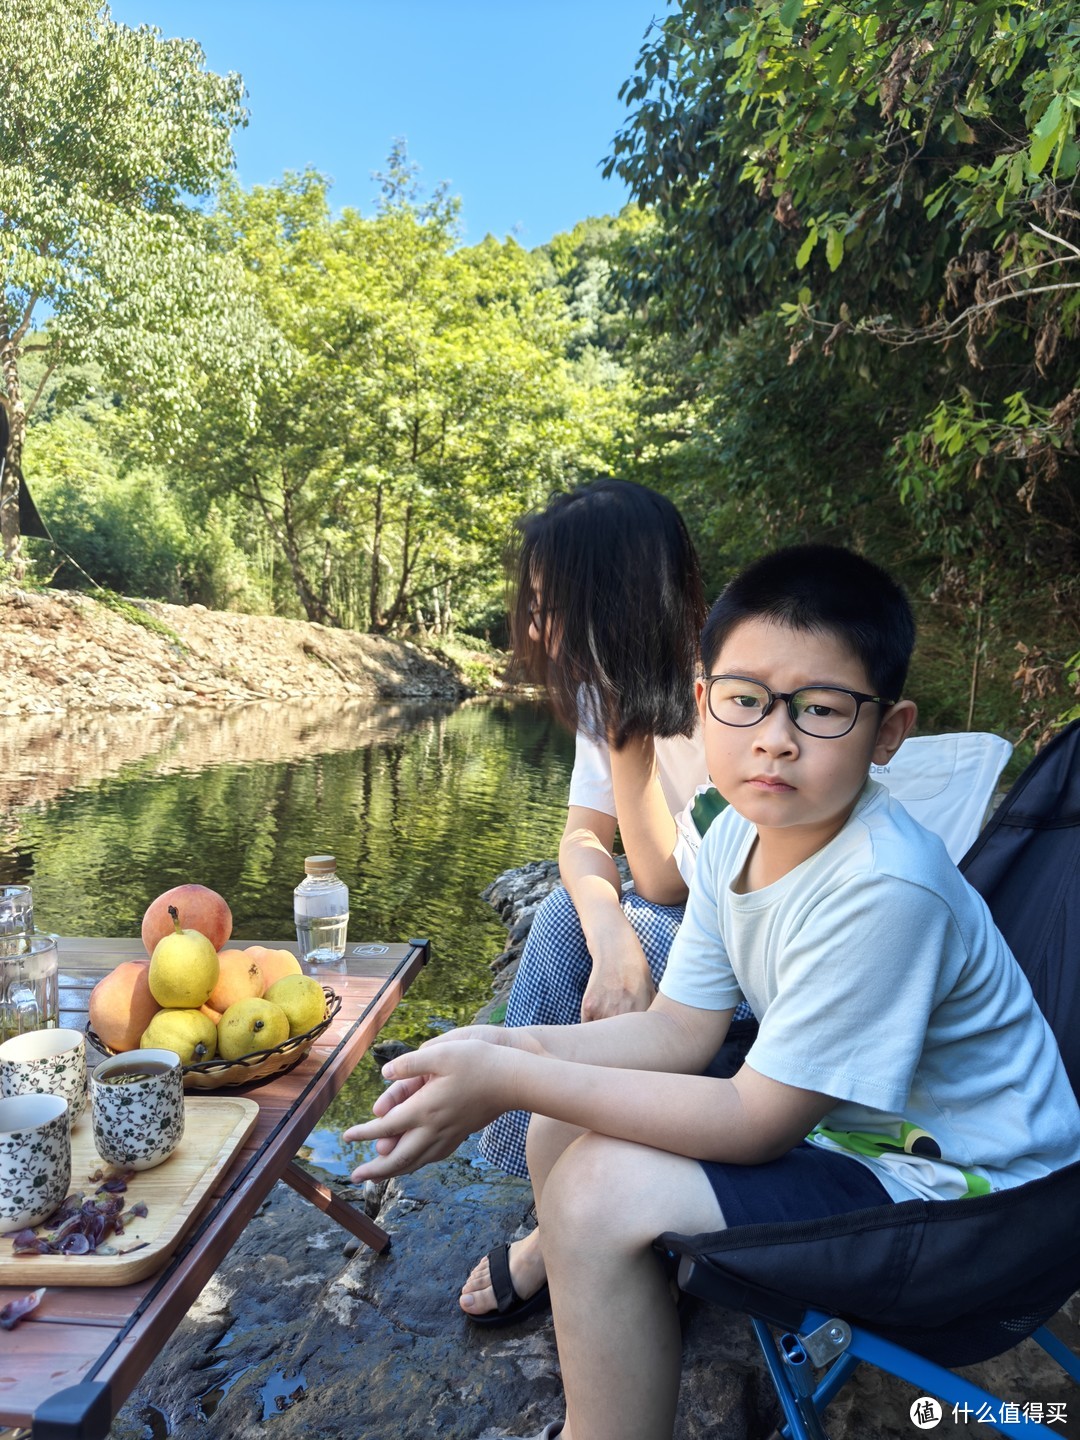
[844,306]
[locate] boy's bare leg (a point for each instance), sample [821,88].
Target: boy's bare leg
[603,1204]
[547,1140]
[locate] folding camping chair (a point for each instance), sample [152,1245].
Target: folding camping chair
[947,782]
[919,1286]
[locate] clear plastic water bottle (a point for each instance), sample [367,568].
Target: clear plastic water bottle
[321,911]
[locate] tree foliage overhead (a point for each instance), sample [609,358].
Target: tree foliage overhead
[893,184]
[860,149]
[108,137]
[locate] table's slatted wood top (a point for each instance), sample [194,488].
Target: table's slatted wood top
[110,1335]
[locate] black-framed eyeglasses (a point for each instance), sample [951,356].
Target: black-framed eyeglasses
[824,711]
[538,612]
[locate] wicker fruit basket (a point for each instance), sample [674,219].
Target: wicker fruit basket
[259,1065]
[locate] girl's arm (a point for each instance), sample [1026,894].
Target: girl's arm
[648,831]
[620,979]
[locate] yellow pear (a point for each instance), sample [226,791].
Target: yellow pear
[301,998]
[183,968]
[251,1025]
[189,1032]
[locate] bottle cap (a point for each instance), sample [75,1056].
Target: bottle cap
[320,865]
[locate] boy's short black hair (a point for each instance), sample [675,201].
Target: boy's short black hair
[616,576]
[828,589]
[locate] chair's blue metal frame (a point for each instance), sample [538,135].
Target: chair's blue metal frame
[803,1398]
[809,1363]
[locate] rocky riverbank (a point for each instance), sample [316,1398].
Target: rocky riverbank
[62,651]
[302,1336]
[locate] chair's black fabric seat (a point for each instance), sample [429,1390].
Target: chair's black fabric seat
[963,1280]
[1026,865]
[957,1281]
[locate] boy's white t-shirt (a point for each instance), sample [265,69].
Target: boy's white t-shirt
[878,977]
[680,763]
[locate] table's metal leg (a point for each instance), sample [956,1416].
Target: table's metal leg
[340,1210]
[81,1412]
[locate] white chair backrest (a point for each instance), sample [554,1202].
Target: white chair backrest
[947,783]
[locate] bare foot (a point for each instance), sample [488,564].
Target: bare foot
[527,1272]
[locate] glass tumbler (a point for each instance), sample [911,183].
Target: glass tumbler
[29,986]
[16,917]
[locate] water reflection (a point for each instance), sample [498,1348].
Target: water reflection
[421,806]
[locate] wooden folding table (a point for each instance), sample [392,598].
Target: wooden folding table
[66,1369]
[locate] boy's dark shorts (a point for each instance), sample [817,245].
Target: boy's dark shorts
[808,1183]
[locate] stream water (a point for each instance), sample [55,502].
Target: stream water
[423,807]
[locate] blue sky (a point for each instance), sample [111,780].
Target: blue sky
[513,102]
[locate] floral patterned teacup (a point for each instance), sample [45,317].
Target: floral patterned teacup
[35,1159]
[46,1062]
[137,1104]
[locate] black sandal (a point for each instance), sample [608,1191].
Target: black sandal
[510,1306]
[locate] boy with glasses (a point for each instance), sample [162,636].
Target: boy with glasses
[900,1051]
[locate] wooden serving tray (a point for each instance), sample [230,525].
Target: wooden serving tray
[214,1128]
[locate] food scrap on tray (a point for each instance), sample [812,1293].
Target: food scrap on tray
[83,1225]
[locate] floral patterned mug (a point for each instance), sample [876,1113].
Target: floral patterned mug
[46,1062]
[35,1159]
[137,1105]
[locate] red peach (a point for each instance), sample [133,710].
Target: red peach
[199,909]
[274,963]
[121,1006]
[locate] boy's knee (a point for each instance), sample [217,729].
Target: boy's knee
[583,1193]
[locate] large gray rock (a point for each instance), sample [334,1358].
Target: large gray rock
[294,1339]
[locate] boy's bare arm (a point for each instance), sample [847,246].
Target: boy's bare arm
[746,1120]
[444,1092]
[667,1036]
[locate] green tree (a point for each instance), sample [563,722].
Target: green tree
[424,394]
[895,184]
[107,136]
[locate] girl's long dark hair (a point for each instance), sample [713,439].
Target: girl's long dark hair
[612,572]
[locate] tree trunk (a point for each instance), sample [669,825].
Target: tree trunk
[448,611]
[399,609]
[11,461]
[374,612]
[315,607]
[327,576]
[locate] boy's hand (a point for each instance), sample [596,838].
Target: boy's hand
[515,1039]
[440,1094]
